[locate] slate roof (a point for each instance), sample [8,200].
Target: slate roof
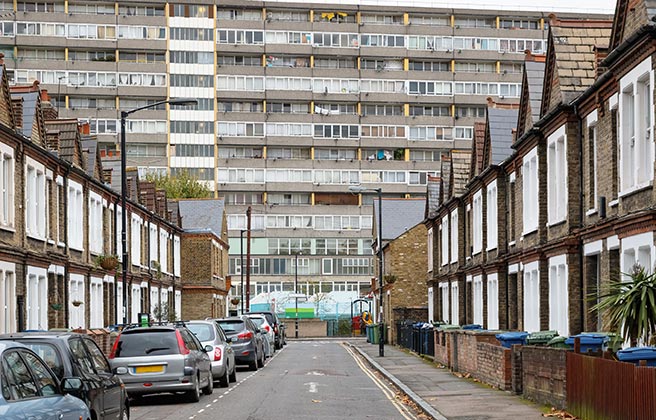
[575,60]
[93,162]
[445,171]
[478,145]
[433,185]
[114,164]
[399,215]
[535,80]
[30,100]
[500,123]
[203,214]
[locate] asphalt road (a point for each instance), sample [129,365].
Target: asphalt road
[305,380]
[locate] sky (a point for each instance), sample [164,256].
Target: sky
[548,6]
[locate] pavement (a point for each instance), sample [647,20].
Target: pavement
[441,394]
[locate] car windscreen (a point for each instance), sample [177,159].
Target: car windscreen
[268,317]
[203,332]
[49,354]
[147,343]
[258,321]
[231,326]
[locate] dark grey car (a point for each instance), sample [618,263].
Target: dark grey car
[167,358]
[247,340]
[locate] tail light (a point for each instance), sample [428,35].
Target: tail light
[266,327]
[112,354]
[181,344]
[217,354]
[245,335]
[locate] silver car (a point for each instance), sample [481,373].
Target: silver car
[167,358]
[222,356]
[261,322]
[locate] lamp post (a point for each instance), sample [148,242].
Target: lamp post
[59,79]
[124,189]
[296,291]
[241,260]
[359,189]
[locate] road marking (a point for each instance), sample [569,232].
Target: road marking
[313,386]
[315,373]
[201,410]
[208,405]
[215,400]
[389,394]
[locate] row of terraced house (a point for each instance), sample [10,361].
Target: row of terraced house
[556,197]
[60,230]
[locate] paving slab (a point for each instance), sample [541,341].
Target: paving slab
[447,395]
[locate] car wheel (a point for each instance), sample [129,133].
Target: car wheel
[210,385]
[253,365]
[194,394]
[224,381]
[233,375]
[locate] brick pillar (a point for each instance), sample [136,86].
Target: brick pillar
[517,371]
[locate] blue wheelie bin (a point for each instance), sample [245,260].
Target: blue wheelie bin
[509,338]
[472,327]
[636,354]
[589,342]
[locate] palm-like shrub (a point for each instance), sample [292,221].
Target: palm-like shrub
[630,305]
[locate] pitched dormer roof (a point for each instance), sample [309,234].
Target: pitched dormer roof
[31,124]
[460,165]
[70,143]
[630,16]
[531,97]
[433,184]
[478,143]
[571,59]
[445,178]
[93,161]
[501,122]
[6,109]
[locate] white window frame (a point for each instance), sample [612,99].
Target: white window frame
[36,202]
[323,266]
[532,297]
[637,249]
[7,187]
[636,137]
[96,306]
[444,292]
[76,318]
[37,298]
[75,215]
[135,307]
[444,236]
[557,176]
[558,295]
[136,226]
[164,250]
[454,237]
[455,304]
[8,305]
[178,303]
[176,256]
[491,209]
[530,196]
[477,299]
[493,301]
[95,223]
[153,248]
[431,307]
[154,299]
[477,222]
[591,122]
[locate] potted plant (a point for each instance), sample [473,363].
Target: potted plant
[107,262]
[235,300]
[56,306]
[77,303]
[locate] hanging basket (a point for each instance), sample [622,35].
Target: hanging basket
[108,262]
[235,301]
[390,279]
[77,303]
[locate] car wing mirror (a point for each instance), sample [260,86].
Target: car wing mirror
[121,370]
[208,348]
[72,385]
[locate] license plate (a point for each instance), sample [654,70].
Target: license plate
[149,369]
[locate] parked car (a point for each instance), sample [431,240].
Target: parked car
[261,322]
[247,340]
[222,356]
[30,390]
[278,327]
[77,355]
[163,358]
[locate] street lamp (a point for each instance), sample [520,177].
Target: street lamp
[241,260]
[296,290]
[124,189]
[357,189]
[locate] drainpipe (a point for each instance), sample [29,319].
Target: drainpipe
[579,138]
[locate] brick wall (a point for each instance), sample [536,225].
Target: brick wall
[464,349]
[442,348]
[544,372]
[494,365]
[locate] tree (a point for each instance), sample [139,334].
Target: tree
[630,305]
[163,313]
[181,185]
